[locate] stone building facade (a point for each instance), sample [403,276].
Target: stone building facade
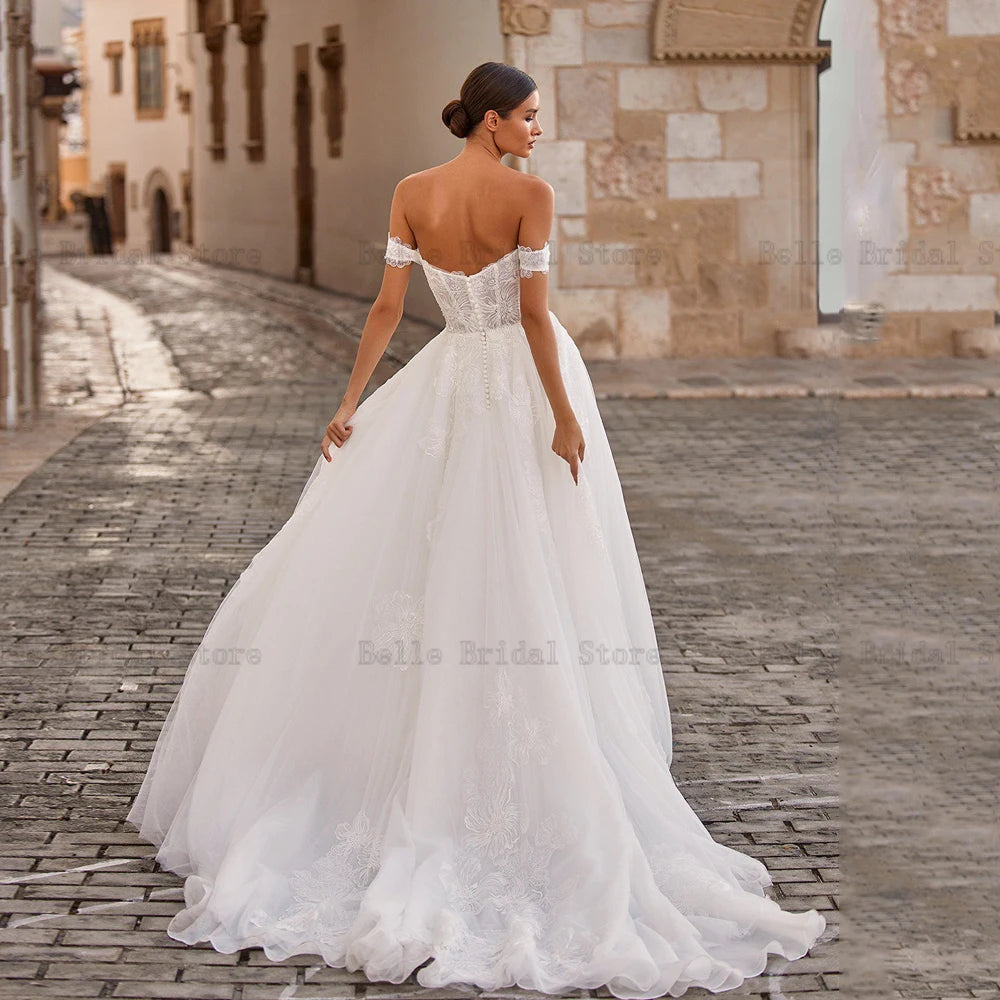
[305,118]
[680,137]
[684,160]
[137,69]
[942,69]
[20,101]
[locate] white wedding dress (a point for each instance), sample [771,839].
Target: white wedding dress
[428,722]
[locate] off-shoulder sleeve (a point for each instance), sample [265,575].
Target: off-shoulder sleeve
[532,260]
[398,253]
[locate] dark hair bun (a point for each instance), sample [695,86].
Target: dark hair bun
[456,118]
[490,86]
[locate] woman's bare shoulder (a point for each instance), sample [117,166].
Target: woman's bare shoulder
[413,187]
[410,179]
[535,196]
[530,180]
[536,187]
[527,192]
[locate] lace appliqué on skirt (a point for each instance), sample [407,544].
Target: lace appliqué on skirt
[445,381]
[591,516]
[327,895]
[692,885]
[502,867]
[397,628]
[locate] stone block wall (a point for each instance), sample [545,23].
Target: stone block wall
[680,139]
[943,98]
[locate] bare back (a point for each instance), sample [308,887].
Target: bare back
[464,216]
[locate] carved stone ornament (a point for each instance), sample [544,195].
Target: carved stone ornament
[682,35]
[215,37]
[975,125]
[331,55]
[518,17]
[252,27]
[909,19]
[18,27]
[908,85]
[147,35]
[931,190]
[805,54]
[977,114]
[21,273]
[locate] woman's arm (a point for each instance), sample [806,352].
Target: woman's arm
[383,318]
[535,226]
[386,310]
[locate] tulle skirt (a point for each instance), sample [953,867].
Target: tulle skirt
[428,723]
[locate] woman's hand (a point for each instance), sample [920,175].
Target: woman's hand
[338,430]
[567,443]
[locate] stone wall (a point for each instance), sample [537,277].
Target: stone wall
[681,142]
[943,82]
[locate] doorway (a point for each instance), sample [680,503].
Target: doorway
[304,174]
[161,222]
[116,201]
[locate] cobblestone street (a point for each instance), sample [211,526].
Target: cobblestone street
[822,572]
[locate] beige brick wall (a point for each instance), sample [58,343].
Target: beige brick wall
[686,187]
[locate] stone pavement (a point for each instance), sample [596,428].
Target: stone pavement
[804,556]
[100,351]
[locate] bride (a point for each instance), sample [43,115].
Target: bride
[426,729]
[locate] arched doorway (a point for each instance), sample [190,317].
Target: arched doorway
[161,235]
[116,202]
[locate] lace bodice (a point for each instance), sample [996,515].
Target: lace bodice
[479,302]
